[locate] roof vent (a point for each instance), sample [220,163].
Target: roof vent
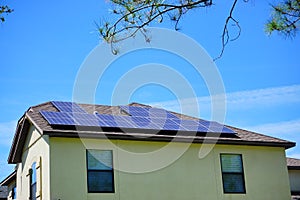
[95,112]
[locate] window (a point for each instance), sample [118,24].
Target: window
[232,173]
[100,176]
[14,192]
[32,174]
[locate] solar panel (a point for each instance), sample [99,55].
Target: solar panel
[140,118]
[215,127]
[148,112]
[115,121]
[68,107]
[171,127]
[220,129]
[85,119]
[144,122]
[58,118]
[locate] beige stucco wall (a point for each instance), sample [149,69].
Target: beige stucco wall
[294,176]
[36,149]
[188,178]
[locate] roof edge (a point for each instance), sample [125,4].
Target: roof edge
[19,140]
[293,167]
[9,179]
[165,138]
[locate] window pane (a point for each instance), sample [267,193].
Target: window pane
[33,191]
[233,183]
[99,159]
[33,175]
[231,163]
[100,181]
[14,193]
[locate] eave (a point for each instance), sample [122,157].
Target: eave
[165,138]
[15,154]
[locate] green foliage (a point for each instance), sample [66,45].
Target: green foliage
[285,18]
[4,10]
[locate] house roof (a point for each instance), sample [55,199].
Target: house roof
[293,163]
[3,192]
[9,179]
[33,117]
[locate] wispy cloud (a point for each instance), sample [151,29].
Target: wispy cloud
[265,97]
[7,130]
[241,100]
[284,129]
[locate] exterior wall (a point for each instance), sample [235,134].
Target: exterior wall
[188,178]
[36,149]
[294,176]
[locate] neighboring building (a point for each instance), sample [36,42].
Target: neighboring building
[3,193]
[8,186]
[82,155]
[294,176]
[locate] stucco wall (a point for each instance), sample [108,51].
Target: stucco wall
[36,149]
[294,176]
[188,178]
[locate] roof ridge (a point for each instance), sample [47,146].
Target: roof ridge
[139,104]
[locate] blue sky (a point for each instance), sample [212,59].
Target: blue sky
[45,42]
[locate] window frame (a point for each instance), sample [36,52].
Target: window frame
[233,173]
[100,170]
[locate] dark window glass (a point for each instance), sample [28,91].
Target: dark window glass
[14,193]
[232,173]
[100,175]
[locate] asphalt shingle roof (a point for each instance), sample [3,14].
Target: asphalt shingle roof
[293,163]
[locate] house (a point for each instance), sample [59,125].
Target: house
[293,165]
[64,151]
[8,186]
[3,193]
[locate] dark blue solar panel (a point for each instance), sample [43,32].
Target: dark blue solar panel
[220,129]
[208,123]
[140,118]
[144,122]
[58,118]
[107,120]
[124,121]
[68,107]
[215,127]
[115,121]
[160,113]
[84,119]
[171,126]
[136,111]
[202,129]
[147,112]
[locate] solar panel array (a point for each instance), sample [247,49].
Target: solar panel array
[137,118]
[68,107]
